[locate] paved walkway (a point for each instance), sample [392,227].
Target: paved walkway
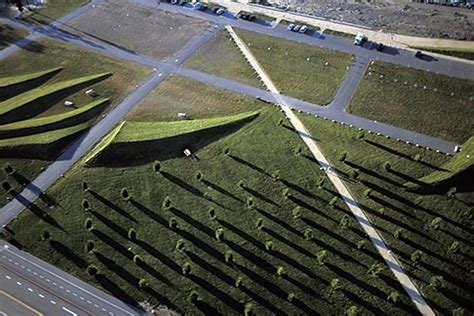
[358,213]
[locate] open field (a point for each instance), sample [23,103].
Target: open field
[79,62]
[253,215]
[148,31]
[299,70]
[220,56]
[417,100]
[55,9]
[431,234]
[198,100]
[9,35]
[466,54]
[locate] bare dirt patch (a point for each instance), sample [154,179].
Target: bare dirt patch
[148,31]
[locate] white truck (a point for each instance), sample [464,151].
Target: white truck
[360,39]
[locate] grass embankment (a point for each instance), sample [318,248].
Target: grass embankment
[33,102]
[257,150]
[54,9]
[397,95]
[198,100]
[220,56]
[337,33]
[431,234]
[299,70]
[10,81]
[260,16]
[141,142]
[126,75]
[48,123]
[9,35]
[466,54]
[453,168]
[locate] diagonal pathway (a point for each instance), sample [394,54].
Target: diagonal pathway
[356,210]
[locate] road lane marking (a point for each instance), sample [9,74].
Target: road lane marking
[11,297]
[8,277]
[53,302]
[69,311]
[30,289]
[19,283]
[41,295]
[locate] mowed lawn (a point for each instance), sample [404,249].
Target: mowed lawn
[424,102]
[76,62]
[198,100]
[310,243]
[432,233]
[54,9]
[144,30]
[299,70]
[9,35]
[220,56]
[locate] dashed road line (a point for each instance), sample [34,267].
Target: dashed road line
[19,283]
[53,302]
[8,277]
[41,295]
[30,289]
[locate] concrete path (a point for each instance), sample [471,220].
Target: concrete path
[351,203]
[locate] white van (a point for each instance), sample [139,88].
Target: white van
[360,39]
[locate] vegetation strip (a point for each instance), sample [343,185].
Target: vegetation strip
[8,81]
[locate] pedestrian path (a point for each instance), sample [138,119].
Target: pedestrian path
[356,210]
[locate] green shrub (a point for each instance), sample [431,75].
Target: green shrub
[362,244]
[354,174]
[360,135]
[308,234]
[291,297]
[137,259]
[86,205]
[280,122]
[296,212]
[186,268]
[166,205]
[226,151]
[333,201]
[142,284]
[415,256]
[173,223]
[286,193]
[248,310]
[321,181]
[259,223]
[381,211]
[393,297]
[92,270]
[417,157]
[193,297]
[345,221]
[368,193]
[375,269]
[241,184]
[132,234]
[455,247]
[89,247]
[6,186]
[124,194]
[436,282]
[229,256]
[335,285]
[219,233]
[45,235]
[238,282]
[269,245]
[458,311]
[212,213]
[298,150]
[156,167]
[250,203]
[321,256]
[435,223]
[276,175]
[199,176]
[85,186]
[8,169]
[387,166]
[88,223]
[342,157]
[399,233]
[452,192]
[281,271]
[352,311]
[180,245]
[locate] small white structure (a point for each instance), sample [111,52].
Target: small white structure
[187,152]
[181,115]
[91,93]
[68,103]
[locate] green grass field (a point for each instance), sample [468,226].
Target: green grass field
[299,70]
[220,56]
[466,54]
[10,81]
[397,95]
[198,100]
[295,242]
[431,234]
[55,9]
[9,35]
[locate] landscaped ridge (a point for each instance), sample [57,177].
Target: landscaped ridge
[9,81]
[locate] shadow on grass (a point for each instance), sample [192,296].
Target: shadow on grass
[201,244]
[191,221]
[334,251]
[210,268]
[221,190]
[262,301]
[249,164]
[145,210]
[279,222]
[159,256]
[254,259]
[112,288]
[260,196]
[117,269]
[307,206]
[288,242]
[107,222]
[112,243]
[111,205]
[374,174]
[157,275]
[25,182]
[68,254]
[297,266]
[300,189]
[182,184]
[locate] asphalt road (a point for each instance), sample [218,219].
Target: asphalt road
[30,286]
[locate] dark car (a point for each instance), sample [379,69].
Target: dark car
[252,18]
[380,47]
[418,54]
[244,16]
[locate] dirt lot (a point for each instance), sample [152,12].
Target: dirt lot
[402,17]
[147,31]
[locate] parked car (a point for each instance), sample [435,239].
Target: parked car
[296,28]
[418,54]
[197,6]
[174,2]
[380,47]
[303,29]
[244,16]
[360,39]
[182,2]
[221,11]
[290,27]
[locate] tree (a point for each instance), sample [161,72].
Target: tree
[226,151]
[418,200]
[452,192]
[250,203]
[156,167]
[435,223]
[387,166]
[394,297]
[321,181]
[345,221]
[241,184]
[354,174]
[360,135]
[375,269]
[362,244]
[142,284]
[166,203]
[229,256]
[92,270]
[381,211]
[8,169]
[269,245]
[352,311]
[212,213]
[238,282]
[276,175]
[86,205]
[199,176]
[455,246]
[298,150]
[291,297]
[186,268]
[343,157]
[296,212]
[88,223]
[45,235]
[286,193]
[308,234]
[180,245]
[436,282]
[321,256]
[458,311]
[399,233]
[281,271]
[85,186]
[219,233]
[6,186]
[335,285]
[173,223]
[137,259]
[280,122]
[132,234]
[368,193]
[89,247]
[248,310]
[124,194]
[416,256]
[333,201]
[193,297]
[259,223]
[417,157]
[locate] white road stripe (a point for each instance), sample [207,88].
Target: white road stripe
[41,295]
[30,289]
[69,311]
[19,283]
[8,277]
[53,302]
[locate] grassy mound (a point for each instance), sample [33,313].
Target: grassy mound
[457,168]
[431,234]
[298,70]
[58,121]
[139,142]
[44,146]
[35,101]
[261,229]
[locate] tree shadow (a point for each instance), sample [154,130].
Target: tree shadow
[256,260]
[307,206]
[182,184]
[207,309]
[297,266]
[288,242]
[107,222]
[306,289]
[157,275]
[145,210]
[257,278]
[279,221]
[262,301]
[117,269]
[210,268]
[331,249]
[221,190]
[260,196]
[112,243]
[300,189]
[406,177]
[113,289]
[249,164]
[159,256]
[200,244]
[111,205]
[191,221]
[68,254]
[25,182]
[160,298]
[373,174]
